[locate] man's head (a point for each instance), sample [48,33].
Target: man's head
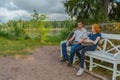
[80,24]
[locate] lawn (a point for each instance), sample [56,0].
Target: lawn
[19,47]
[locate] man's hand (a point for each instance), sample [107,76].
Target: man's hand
[67,43]
[74,42]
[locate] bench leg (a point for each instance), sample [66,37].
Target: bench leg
[61,55]
[74,59]
[91,64]
[114,72]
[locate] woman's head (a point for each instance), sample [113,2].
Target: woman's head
[95,28]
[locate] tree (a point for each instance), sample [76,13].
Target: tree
[105,4]
[38,22]
[37,17]
[87,10]
[114,13]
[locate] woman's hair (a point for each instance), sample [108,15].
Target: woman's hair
[96,28]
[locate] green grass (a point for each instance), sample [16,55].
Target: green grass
[17,47]
[22,47]
[53,40]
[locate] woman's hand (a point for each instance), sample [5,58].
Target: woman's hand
[94,42]
[85,40]
[89,40]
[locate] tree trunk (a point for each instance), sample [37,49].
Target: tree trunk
[105,4]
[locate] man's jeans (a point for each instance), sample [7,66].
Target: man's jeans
[64,51]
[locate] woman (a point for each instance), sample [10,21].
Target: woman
[93,38]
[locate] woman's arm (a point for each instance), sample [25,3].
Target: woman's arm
[94,42]
[83,40]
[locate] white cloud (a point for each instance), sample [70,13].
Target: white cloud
[10,5]
[22,9]
[6,14]
[57,16]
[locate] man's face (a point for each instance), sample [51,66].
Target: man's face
[80,25]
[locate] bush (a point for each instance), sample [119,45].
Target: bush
[69,26]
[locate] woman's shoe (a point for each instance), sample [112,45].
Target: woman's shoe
[80,72]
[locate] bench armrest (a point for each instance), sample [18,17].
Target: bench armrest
[63,41]
[117,55]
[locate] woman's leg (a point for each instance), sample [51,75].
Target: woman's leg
[77,51]
[83,51]
[82,59]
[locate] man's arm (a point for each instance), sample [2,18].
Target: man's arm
[71,38]
[85,35]
[67,44]
[81,41]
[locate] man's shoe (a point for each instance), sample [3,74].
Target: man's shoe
[63,60]
[69,64]
[80,72]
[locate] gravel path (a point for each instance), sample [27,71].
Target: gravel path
[43,64]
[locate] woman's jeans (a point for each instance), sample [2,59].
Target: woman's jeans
[72,52]
[80,52]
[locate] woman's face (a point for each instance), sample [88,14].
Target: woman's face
[93,29]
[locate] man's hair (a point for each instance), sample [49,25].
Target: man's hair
[80,21]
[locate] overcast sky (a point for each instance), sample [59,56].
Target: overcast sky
[22,9]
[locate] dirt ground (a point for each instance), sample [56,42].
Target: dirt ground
[43,64]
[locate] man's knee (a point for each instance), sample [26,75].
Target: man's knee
[72,48]
[64,44]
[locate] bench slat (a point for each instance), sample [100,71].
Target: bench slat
[111,36]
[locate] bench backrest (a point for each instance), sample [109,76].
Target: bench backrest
[111,36]
[107,39]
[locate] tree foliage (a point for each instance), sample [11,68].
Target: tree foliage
[37,17]
[91,11]
[87,10]
[114,13]
[29,29]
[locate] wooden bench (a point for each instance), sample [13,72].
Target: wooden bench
[106,51]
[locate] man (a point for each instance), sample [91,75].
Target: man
[78,37]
